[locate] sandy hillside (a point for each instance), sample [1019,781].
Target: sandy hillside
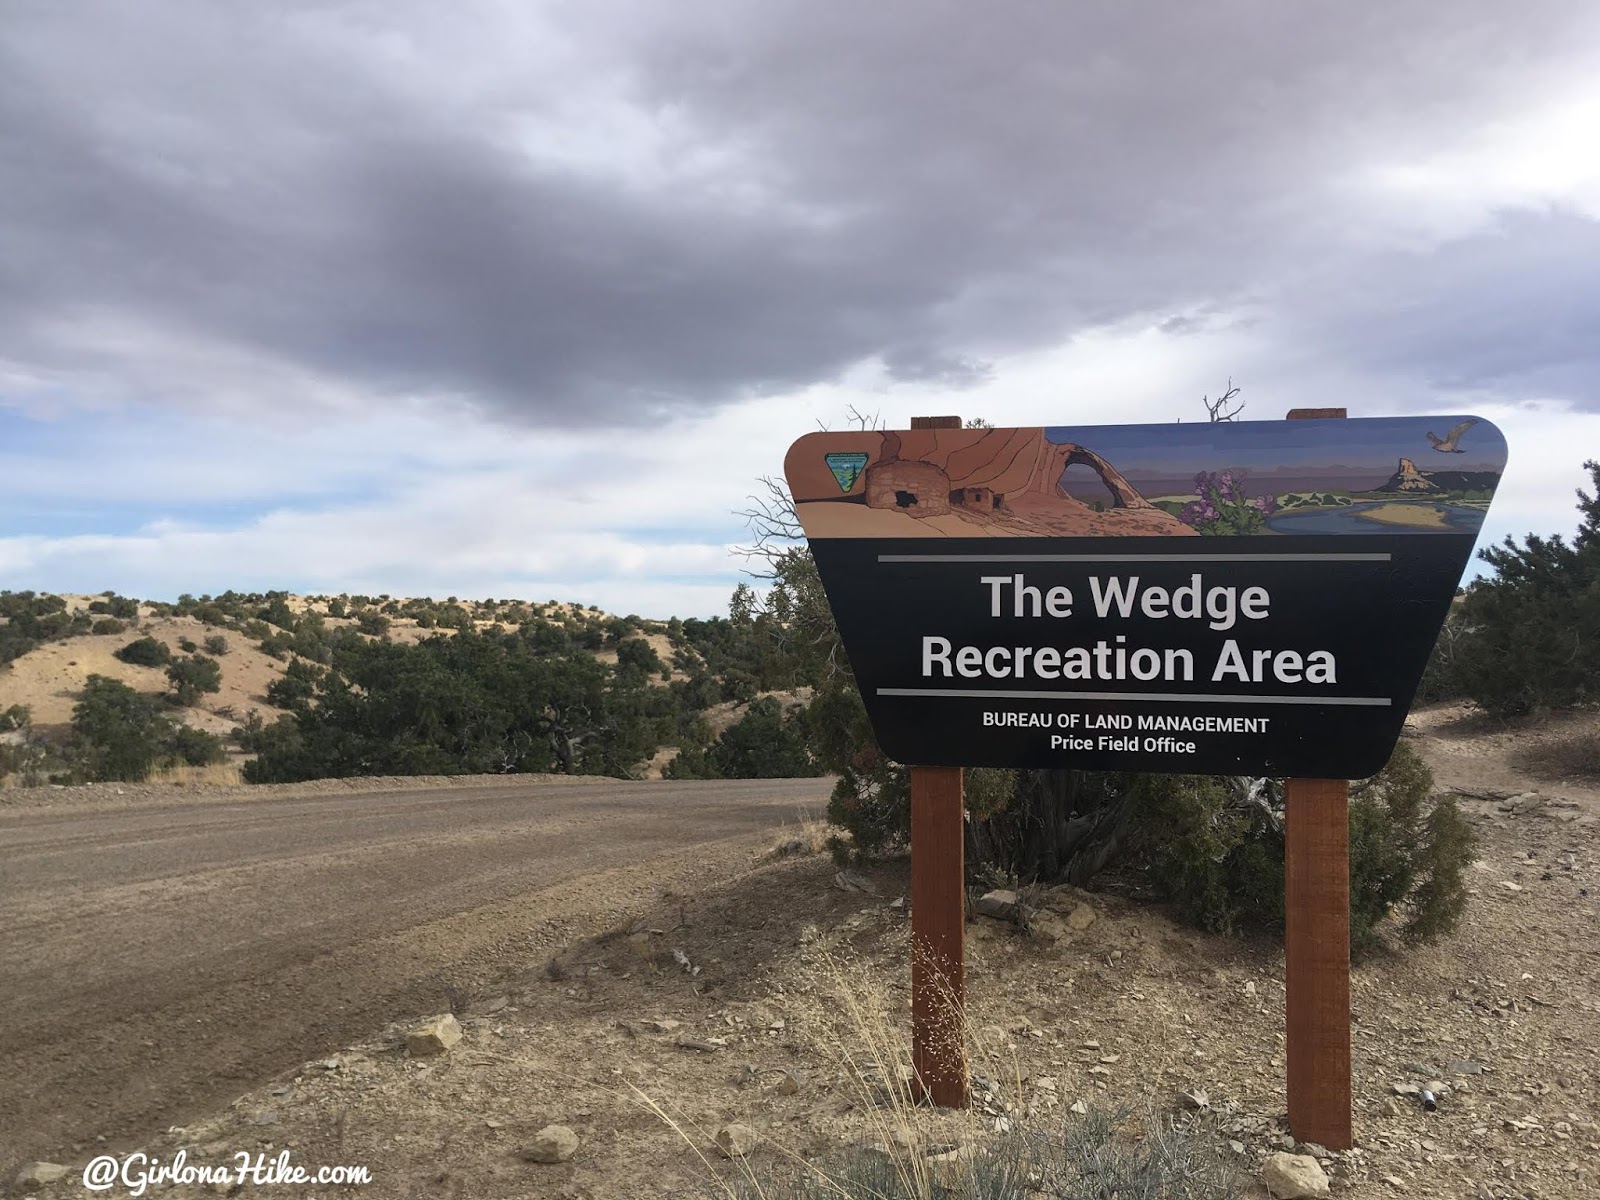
[49,678]
[752,1002]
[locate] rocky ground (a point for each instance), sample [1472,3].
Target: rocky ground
[779,1002]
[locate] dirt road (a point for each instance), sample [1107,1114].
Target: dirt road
[156,959]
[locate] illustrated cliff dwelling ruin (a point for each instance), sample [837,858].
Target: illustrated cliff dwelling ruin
[1004,481]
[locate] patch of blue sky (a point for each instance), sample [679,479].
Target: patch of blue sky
[121,472]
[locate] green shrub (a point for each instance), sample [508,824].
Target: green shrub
[638,656]
[765,743]
[195,747]
[114,605]
[246,734]
[192,677]
[373,624]
[1189,832]
[1532,630]
[107,625]
[1219,858]
[740,687]
[295,687]
[691,762]
[17,716]
[277,612]
[278,645]
[476,702]
[1211,847]
[187,645]
[121,734]
[145,652]
[216,645]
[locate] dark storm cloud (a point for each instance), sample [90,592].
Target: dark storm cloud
[1515,307]
[624,209]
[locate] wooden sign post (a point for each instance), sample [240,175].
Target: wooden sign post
[1316,878]
[1246,598]
[938,950]
[938,918]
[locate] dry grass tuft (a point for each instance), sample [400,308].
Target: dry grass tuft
[1576,756]
[806,837]
[997,1149]
[228,774]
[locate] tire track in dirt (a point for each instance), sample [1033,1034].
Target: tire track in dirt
[155,962]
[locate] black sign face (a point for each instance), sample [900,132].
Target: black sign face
[1256,598]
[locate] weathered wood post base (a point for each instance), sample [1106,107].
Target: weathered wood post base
[938,950]
[1317,953]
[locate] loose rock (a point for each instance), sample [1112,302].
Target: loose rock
[37,1174]
[1081,918]
[1294,1176]
[433,1037]
[552,1144]
[1048,927]
[735,1140]
[1001,905]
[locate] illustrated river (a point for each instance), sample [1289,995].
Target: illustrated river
[1351,518]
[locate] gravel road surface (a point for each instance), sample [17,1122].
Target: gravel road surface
[158,957]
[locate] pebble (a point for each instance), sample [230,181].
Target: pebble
[38,1174]
[1294,1177]
[735,1140]
[1000,904]
[552,1144]
[433,1036]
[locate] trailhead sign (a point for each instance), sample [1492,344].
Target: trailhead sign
[1254,597]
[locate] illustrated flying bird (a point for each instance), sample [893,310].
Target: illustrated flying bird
[1448,444]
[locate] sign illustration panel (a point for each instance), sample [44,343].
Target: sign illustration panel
[1245,597]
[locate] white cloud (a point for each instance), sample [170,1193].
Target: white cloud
[637,520]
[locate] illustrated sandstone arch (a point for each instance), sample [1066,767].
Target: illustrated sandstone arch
[925,473]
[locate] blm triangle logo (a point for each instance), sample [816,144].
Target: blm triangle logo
[846,468]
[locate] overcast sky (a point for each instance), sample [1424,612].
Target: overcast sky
[517,299]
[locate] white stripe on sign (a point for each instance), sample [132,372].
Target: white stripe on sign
[1160,697]
[1127,558]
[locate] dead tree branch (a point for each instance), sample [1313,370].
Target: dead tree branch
[1223,407]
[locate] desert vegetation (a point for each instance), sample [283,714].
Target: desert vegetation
[369,685]
[1527,637]
[380,685]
